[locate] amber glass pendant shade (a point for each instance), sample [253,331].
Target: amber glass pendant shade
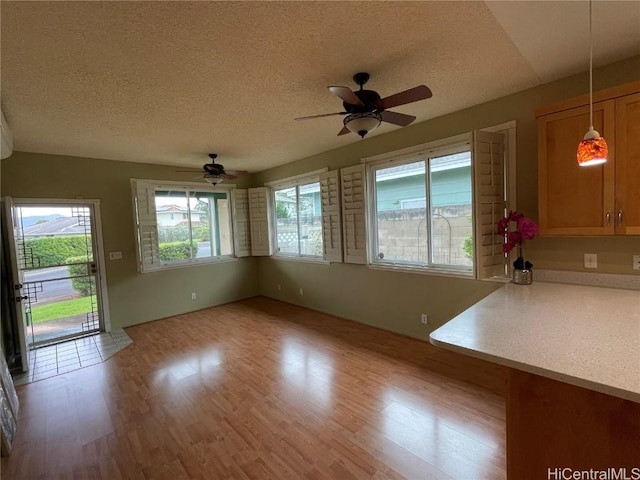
[592,150]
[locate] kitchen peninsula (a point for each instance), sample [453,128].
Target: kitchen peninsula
[573,352]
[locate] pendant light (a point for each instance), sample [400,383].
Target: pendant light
[593,149]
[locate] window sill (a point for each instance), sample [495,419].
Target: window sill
[440,272]
[300,259]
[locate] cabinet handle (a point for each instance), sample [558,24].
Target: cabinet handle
[619,217]
[608,217]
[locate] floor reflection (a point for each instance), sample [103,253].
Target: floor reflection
[434,434]
[308,372]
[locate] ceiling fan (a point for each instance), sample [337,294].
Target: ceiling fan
[365,110]
[214,173]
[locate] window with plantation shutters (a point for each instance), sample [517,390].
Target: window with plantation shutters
[146,225]
[179,224]
[259,221]
[242,223]
[489,203]
[353,214]
[331,224]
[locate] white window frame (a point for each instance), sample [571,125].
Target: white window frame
[488,262]
[294,182]
[424,152]
[145,219]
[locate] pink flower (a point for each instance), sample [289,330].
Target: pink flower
[525,229]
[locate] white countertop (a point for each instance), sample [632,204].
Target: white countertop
[585,336]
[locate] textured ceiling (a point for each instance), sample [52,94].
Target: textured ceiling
[168,82]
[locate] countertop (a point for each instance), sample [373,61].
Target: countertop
[584,336]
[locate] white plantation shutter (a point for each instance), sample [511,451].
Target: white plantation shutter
[259,221]
[242,225]
[490,204]
[144,203]
[331,226]
[353,214]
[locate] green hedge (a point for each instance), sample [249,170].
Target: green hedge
[173,251]
[180,233]
[85,285]
[51,251]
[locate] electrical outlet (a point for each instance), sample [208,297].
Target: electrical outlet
[193,295]
[590,260]
[424,318]
[279,287]
[636,262]
[301,292]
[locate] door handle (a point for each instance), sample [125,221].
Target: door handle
[20,298]
[619,217]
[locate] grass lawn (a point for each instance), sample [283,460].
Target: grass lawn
[67,308]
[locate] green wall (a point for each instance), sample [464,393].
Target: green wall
[133,297]
[393,300]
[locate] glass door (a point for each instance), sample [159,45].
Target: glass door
[57,262]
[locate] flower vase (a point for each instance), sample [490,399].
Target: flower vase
[522,271]
[522,276]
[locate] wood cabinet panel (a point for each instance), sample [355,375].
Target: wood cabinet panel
[628,164]
[597,200]
[553,425]
[574,200]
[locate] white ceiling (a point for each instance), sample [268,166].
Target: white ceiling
[168,82]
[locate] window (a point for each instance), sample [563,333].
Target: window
[201,230]
[179,224]
[298,220]
[422,210]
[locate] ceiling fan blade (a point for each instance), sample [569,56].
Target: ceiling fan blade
[237,172]
[321,115]
[344,131]
[346,95]
[397,118]
[408,96]
[228,176]
[189,171]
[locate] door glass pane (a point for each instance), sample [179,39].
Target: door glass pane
[451,227]
[401,214]
[286,220]
[55,254]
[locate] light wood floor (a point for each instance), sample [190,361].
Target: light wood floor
[260,389]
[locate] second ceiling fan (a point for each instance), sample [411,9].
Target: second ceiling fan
[365,109]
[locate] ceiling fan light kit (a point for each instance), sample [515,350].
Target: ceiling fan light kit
[593,149]
[365,110]
[362,123]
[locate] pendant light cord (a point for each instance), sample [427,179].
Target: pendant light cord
[590,68]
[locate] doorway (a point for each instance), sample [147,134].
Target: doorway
[58,269]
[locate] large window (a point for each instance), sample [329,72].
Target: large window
[192,224]
[421,210]
[180,224]
[298,220]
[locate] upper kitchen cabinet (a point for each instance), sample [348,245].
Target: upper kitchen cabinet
[597,200]
[627,184]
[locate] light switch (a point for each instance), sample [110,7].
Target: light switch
[115,255]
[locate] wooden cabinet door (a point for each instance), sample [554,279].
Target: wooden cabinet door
[575,200]
[628,165]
